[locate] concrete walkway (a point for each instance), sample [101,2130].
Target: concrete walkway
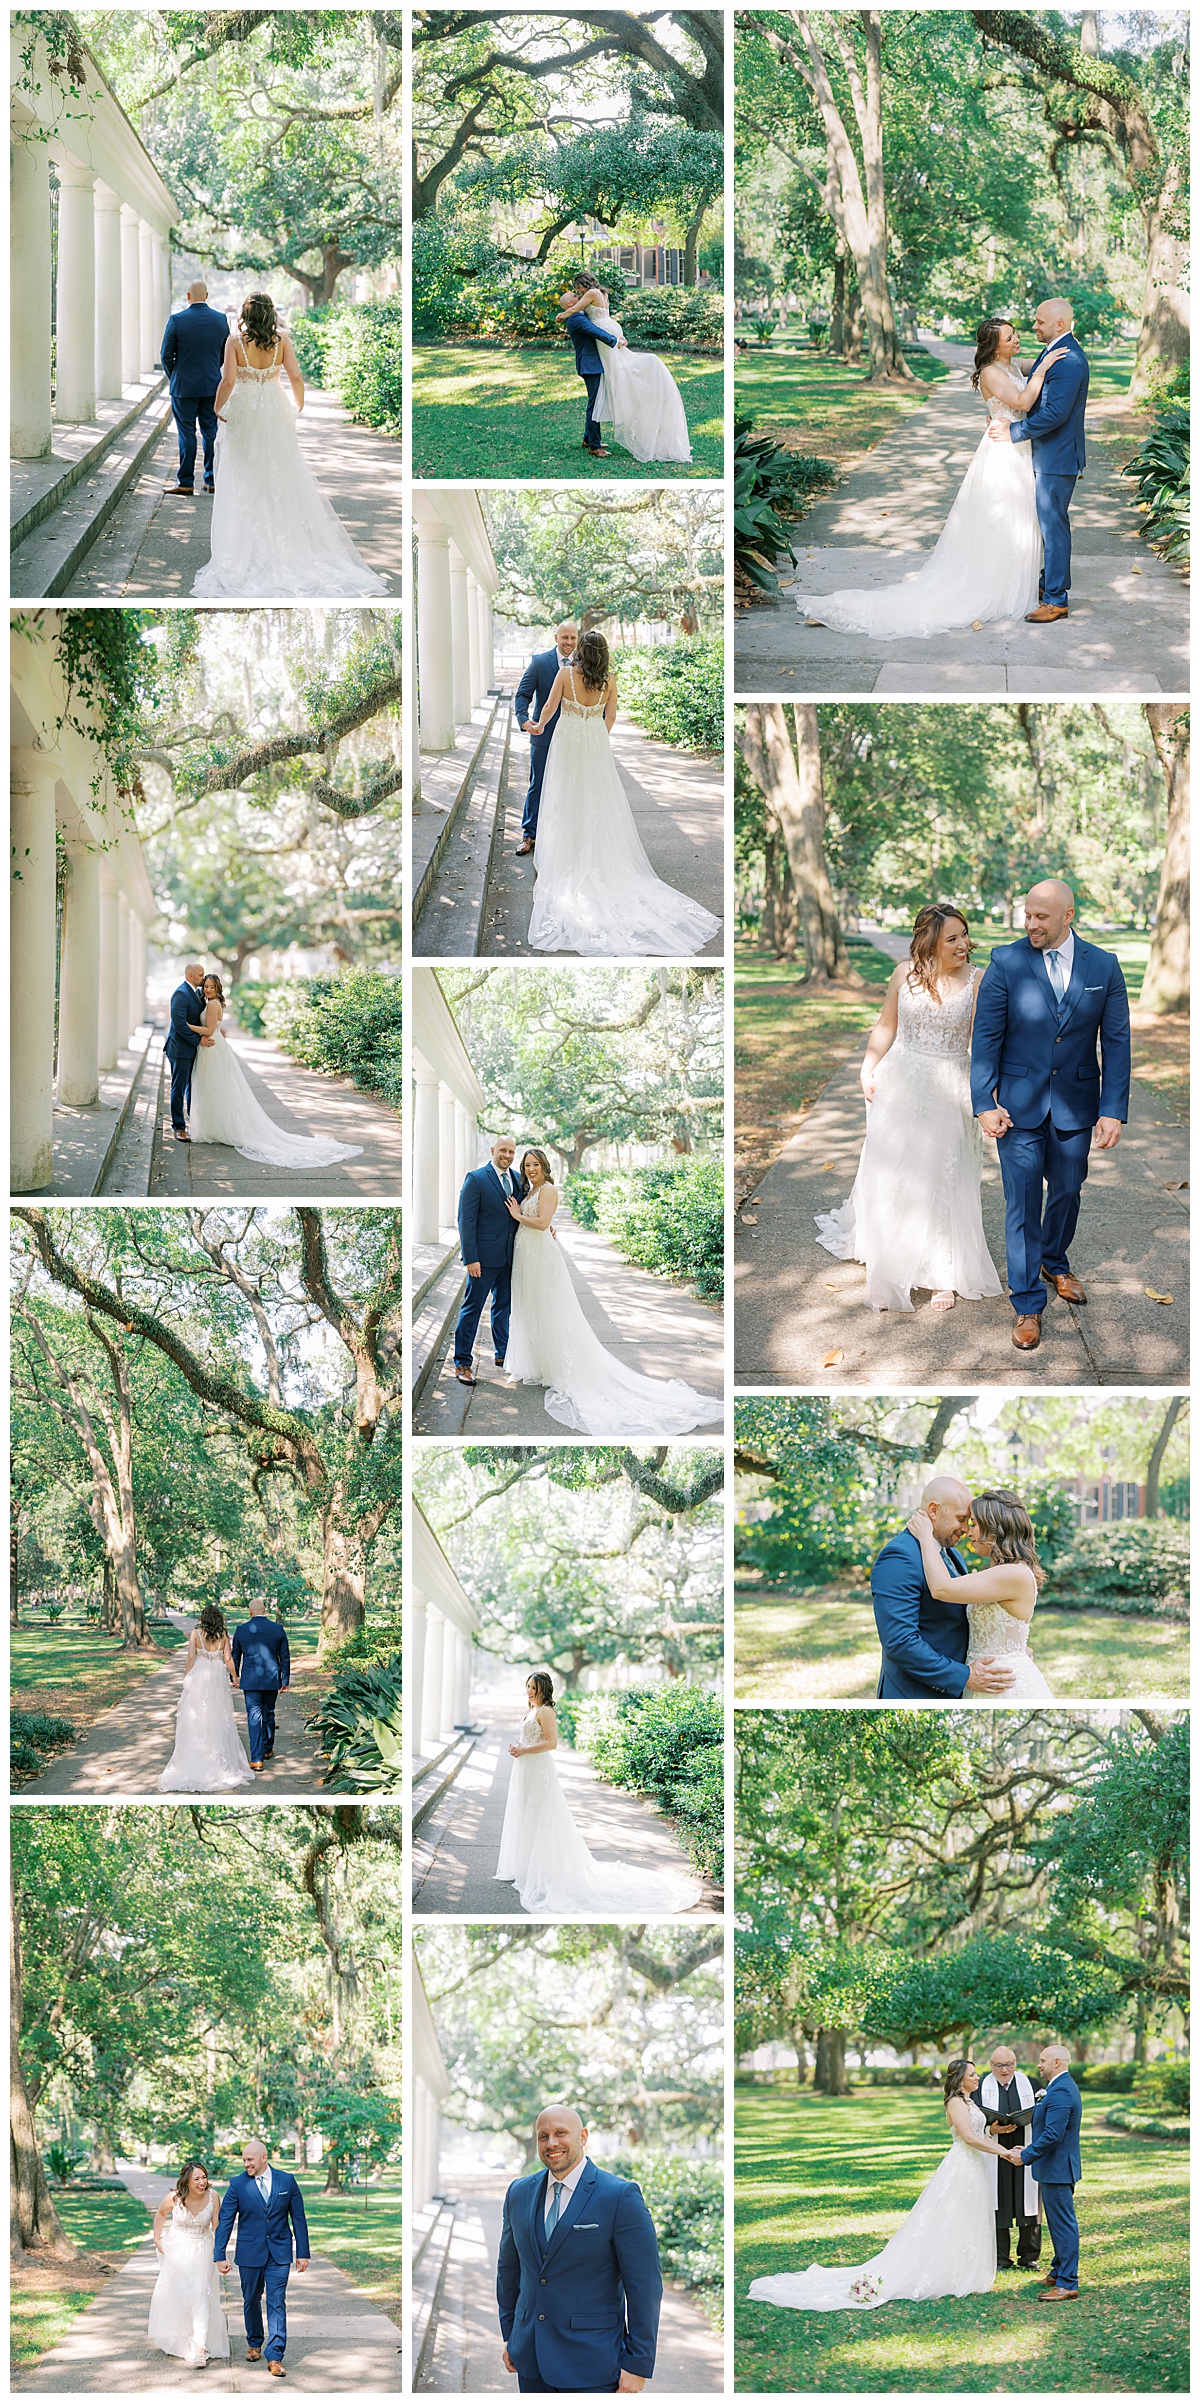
[467,2345]
[1128,628]
[152,548]
[651,1325]
[125,1749]
[456,1851]
[303,1102]
[678,803]
[338,2343]
[796,1304]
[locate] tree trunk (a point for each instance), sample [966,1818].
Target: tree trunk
[691,244]
[343,1585]
[333,2173]
[14,1559]
[34,2224]
[852,339]
[837,314]
[1164,338]
[781,922]
[1166,985]
[829,2069]
[795,796]
[855,201]
[1155,1462]
[110,1608]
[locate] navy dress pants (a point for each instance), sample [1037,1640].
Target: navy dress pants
[189,410]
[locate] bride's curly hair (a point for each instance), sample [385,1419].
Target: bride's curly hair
[213,979]
[543,1163]
[1002,1517]
[923,947]
[257,321]
[987,344]
[952,2082]
[591,659]
[542,1687]
[211,1623]
[184,2179]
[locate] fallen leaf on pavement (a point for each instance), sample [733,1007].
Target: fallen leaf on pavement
[826,1164]
[831,1359]
[1152,1296]
[977,625]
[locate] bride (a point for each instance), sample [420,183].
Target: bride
[641,400]
[1000,1600]
[596,890]
[274,535]
[541,1850]
[985,562]
[550,1342]
[223,1109]
[914,1214]
[186,2314]
[947,2244]
[208,1756]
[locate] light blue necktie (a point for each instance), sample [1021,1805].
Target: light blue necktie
[1056,978]
[263,2188]
[555,2207]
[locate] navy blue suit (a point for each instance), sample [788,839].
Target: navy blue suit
[264,2250]
[486,1233]
[1053,2155]
[193,347]
[1054,426]
[588,364]
[581,2307]
[924,1642]
[181,1046]
[1056,1070]
[531,696]
[263,1663]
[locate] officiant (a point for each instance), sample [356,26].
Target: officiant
[1006,2098]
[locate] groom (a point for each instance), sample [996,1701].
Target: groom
[532,694]
[193,347]
[183,1041]
[1053,2155]
[923,1642]
[588,364]
[578,2282]
[487,1239]
[1050,1064]
[267,2205]
[1054,426]
[263,1668]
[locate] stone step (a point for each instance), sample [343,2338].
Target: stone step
[433,1322]
[129,1163]
[431,2254]
[450,1765]
[57,526]
[88,1136]
[451,896]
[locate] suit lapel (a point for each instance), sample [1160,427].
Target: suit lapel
[571,2210]
[1078,981]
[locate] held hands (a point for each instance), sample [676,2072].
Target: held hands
[1108,1133]
[223,2266]
[995,1122]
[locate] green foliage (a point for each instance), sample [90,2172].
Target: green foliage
[111,676]
[1145,2123]
[1104,2077]
[672,316]
[660,557]
[358,1728]
[666,1742]
[348,1025]
[1161,467]
[772,487]
[356,351]
[1163,2086]
[686,2201]
[676,691]
[34,1737]
[1141,1566]
[670,1220]
[62,2160]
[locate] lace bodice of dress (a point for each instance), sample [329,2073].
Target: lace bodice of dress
[531,1728]
[573,707]
[999,408]
[994,1629]
[246,374]
[194,2223]
[941,1028]
[604,317]
[978,2125]
[529,1205]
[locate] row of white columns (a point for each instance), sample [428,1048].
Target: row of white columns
[439,1673]
[455,643]
[102,973]
[424,2140]
[114,296]
[445,1149]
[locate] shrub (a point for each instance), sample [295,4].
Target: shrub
[676,691]
[676,317]
[1163,2086]
[248,1001]
[347,1025]
[358,1729]
[771,488]
[670,1220]
[1162,469]
[34,1736]
[666,1742]
[355,350]
[1137,1567]
[686,2201]
[1140,2123]
[1105,2077]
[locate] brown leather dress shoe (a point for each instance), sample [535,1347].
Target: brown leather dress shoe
[523,849]
[465,1376]
[1045,614]
[1027,1332]
[1057,2294]
[1067,1287]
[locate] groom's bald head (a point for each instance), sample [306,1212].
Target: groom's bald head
[948,1502]
[198,290]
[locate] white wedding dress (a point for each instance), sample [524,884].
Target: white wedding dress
[544,1856]
[946,2246]
[984,565]
[208,1756]
[914,1215]
[223,1110]
[996,1634]
[588,1389]
[596,892]
[274,535]
[186,2315]
[640,399]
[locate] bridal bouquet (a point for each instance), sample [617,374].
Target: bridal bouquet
[866,2289]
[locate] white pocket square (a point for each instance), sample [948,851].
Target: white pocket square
[585,2223]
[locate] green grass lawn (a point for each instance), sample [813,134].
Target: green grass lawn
[818,1644]
[364,2239]
[812,403]
[483,411]
[827,2181]
[47,2295]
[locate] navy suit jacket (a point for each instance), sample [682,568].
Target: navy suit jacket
[1073,1069]
[1053,2148]
[193,347]
[578,2310]
[187,1010]
[584,337]
[534,691]
[261,1655]
[1054,425]
[264,2230]
[485,1231]
[924,1643]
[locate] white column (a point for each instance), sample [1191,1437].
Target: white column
[462,1708]
[75,315]
[473,639]
[415,1672]
[108,294]
[137,971]
[464,698]
[149,335]
[435,639]
[31,992]
[31,426]
[121,996]
[161,287]
[79,981]
[462,1156]
[431,1706]
[426,1182]
[448,1193]
[107,1013]
[131,303]
[449,1668]
[487,645]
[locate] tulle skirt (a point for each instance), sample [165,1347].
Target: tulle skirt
[543,1854]
[643,404]
[596,892]
[275,537]
[588,1389]
[946,2246]
[185,2309]
[984,564]
[224,1110]
[208,1757]
[914,1215]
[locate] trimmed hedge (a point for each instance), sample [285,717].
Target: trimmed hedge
[34,1737]
[666,1742]
[670,1220]
[686,2201]
[356,350]
[1142,2123]
[347,1025]
[676,691]
[1136,1567]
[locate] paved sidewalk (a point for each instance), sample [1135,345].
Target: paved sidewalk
[678,803]
[650,1325]
[153,547]
[1128,628]
[303,1102]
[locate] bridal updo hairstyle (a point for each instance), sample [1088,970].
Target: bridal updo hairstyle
[926,935]
[543,1163]
[211,1622]
[591,659]
[1006,1523]
[257,321]
[987,344]
[952,2082]
[183,2181]
[541,1687]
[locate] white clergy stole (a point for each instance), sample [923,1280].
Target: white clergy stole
[989,2100]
